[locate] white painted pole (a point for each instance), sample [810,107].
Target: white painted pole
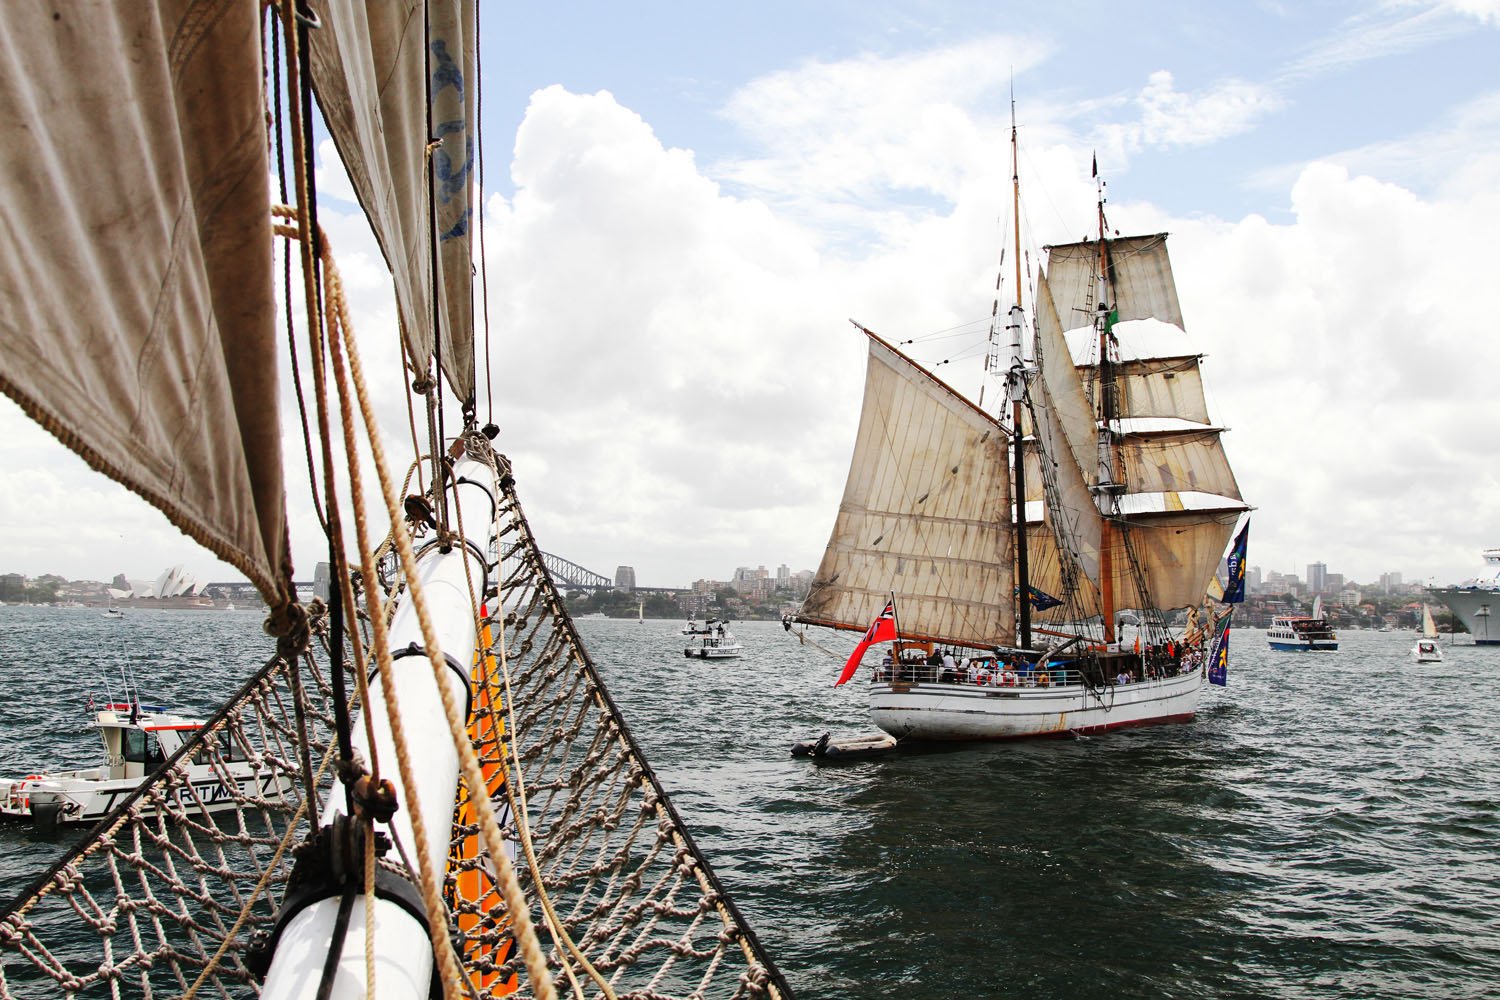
[404,949]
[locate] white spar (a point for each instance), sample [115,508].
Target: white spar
[404,950]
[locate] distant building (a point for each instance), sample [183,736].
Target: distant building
[1390,583]
[322,578]
[783,576]
[625,578]
[1317,577]
[12,587]
[746,579]
[696,603]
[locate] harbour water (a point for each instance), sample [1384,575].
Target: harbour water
[1327,827]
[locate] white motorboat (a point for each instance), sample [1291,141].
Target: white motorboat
[113,613]
[721,645]
[693,628]
[1427,649]
[137,739]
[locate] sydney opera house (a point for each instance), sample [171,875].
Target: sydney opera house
[174,588]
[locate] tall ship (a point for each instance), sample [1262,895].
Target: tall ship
[445,799]
[1069,540]
[1474,600]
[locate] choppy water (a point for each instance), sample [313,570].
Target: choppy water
[1327,827]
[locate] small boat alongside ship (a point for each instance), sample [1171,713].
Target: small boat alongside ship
[138,738]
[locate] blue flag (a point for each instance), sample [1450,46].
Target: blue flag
[1218,663]
[1234,588]
[1040,599]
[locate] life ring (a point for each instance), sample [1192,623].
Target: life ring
[1008,678]
[25,800]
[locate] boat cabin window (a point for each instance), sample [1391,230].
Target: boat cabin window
[218,744]
[142,747]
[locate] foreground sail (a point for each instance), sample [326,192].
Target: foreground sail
[1049,554]
[445,799]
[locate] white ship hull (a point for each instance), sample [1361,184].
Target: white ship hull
[1473,606]
[87,796]
[924,710]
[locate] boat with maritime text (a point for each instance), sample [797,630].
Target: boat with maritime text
[137,737]
[1473,600]
[453,804]
[1099,494]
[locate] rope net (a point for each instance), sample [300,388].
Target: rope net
[176,891]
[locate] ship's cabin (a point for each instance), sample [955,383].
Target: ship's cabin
[139,738]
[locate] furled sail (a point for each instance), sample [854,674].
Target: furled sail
[1067,433]
[925,514]
[370,67]
[136,301]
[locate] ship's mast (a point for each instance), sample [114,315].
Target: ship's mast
[1016,389]
[1109,488]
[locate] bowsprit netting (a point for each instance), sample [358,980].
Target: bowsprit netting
[621,884]
[166,897]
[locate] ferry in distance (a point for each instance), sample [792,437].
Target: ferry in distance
[1302,634]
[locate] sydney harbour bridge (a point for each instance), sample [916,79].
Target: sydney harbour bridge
[566,574]
[571,576]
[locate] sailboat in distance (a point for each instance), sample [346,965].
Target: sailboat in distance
[1064,547]
[1427,649]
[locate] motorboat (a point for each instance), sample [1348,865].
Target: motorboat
[721,645]
[137,739]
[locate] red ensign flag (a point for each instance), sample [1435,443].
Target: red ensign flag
[882,629]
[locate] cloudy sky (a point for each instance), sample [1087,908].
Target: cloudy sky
[686,203]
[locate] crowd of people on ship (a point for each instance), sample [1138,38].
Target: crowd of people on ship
[949,666]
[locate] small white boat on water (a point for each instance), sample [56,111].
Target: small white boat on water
[693,628]
[1302,634]
[1427,649]
[721,645]
[137,739]
[113,613]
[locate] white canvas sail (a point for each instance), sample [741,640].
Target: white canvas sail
[1429,626]
[1140,277]
[1065,439]
[1178,499]
[924,514]
[369,67]
[136,302]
